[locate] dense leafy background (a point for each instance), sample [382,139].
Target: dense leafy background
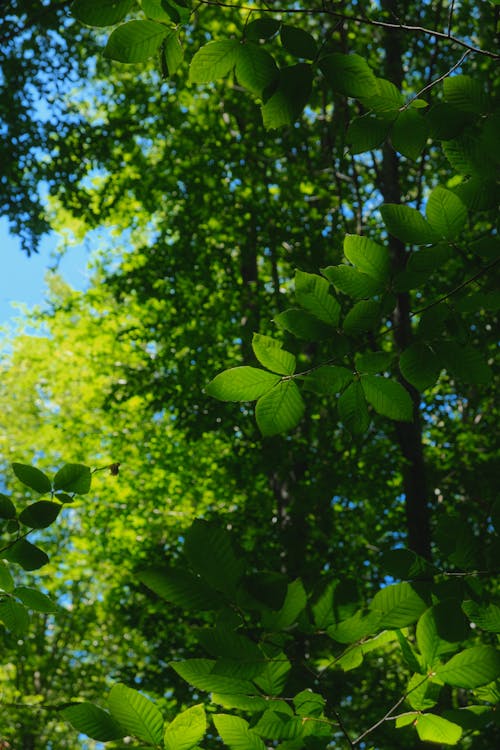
[222,168]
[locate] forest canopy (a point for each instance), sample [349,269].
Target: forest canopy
[249,494]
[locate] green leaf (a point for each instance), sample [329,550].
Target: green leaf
[420,366]
[210,551]
[295,602]
[270,354]
[289,97]
[279,726]
[465,363]
[446,213]
[422,693]
[172,53]
[262,28]
[26,555]
[236,734]
[213,61]
[256,70]
[404,564]
[93,721]
[225,643]
[439,629]
[73,478]
[102,13]
[363,316]
[6,580]
[7,507]
[486,616]
[186,730]
[298,42]
[399,604]
[136,714]
[249,703]
[135,41]
[466,94]
[388,397]
[179,587]
[373,362]
[273,678]
[313,294]
[242,384]
[409,133]
[384,99]
[303,325]
[353,411]
[431,728]
[200,674]
[351,281]
[35,600]
[366,133]
[471,668]
[14,616]
[33,478]
[156,10]
[328,379]
[368,256]
[40,514]
[356,627]
[279,410]
[408,224]
[349,74]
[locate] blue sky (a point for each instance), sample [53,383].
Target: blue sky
[22,278]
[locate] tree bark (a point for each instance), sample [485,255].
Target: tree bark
[409,435]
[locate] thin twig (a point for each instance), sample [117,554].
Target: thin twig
[360,20]
[436,81]
[450,17]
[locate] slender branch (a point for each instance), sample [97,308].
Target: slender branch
[343,728]
[436,81]
[360,20]
[450,16]
[390,712]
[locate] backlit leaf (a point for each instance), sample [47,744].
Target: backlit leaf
[313,294]
[400,605]
[298,42]
[349,74]
[93,721]
[388,397]
[135,41]
[102,13]
[408,224]
[446,213]
[32,477]
[471,668]
[352,408]
[236,734]
[255,68]
[432,728]
[73,478]
[289,98]
[327,379]
[241,384]
[186,730]
[368,256]
[279,410]
[213,61]
[136,714]
[270,354]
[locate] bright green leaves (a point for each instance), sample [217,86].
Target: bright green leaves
[327,379]
[399,604]
[366,133]
[388,397]
[439,629]
[102,13]
[279,406]
[213,61]
[486,617]
[93,721]
[368,256]
[135,41]
[280,409]
[269,352]
[313,294]
[472,668]
[136,714]
[446,218]
[432,728]
[241,384]
[186,730]
[236,733]
[14,616]
[349,75]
